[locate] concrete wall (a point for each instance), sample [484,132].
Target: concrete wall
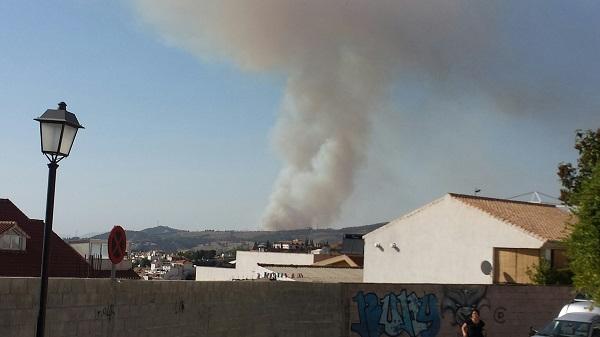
[443,242]
[103,308]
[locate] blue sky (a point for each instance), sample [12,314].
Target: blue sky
[168,139]
[180,140]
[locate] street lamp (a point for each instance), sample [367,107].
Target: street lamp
[58,129]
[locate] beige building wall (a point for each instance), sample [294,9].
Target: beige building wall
[215,274]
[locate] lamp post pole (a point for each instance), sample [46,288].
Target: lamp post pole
[58,128]
[41,322]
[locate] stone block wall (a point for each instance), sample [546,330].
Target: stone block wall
[103,308]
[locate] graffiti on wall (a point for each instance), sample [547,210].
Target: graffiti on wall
[460,301]
[106,312]
[275,276]
[395,314]
[179,307]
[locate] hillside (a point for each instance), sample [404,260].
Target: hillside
[170,239]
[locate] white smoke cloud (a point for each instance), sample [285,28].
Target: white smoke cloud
[340,58]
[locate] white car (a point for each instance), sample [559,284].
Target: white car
[574,324]
[579,306]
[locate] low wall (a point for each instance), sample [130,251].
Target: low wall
[101,307]
[429,310]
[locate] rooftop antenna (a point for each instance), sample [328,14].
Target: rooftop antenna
[536,197]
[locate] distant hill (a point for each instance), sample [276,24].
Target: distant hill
[161,230]
[171,239]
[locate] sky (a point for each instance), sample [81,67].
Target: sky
[287,114]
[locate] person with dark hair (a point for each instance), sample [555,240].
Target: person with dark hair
[473,325]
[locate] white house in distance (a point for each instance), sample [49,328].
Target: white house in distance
[247,265]
[462,239]
[277,266]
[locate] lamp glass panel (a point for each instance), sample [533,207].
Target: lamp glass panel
[67,141]
[50,136]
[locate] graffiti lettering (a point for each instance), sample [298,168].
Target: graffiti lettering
[179,307]
[460,302]
[499,314]
[395,314]
[108,312]
[275,276]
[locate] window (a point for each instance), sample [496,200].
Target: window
[12,241]
[13,238]
[511,264]
[559,259]
[566,329]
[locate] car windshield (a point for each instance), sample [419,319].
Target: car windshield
[565,329]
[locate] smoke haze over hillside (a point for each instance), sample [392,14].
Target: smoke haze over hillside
[342,59]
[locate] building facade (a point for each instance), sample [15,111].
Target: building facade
[460,239]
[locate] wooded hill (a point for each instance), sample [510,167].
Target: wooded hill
[171,240]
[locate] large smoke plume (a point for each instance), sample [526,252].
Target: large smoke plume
[341,58]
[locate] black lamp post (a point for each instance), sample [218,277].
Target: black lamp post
[57,130]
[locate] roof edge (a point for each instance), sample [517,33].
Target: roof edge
[467,196]
[306,266]
[409,214]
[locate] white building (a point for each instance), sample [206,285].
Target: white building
[179,270]
[95,251]
[460,239]
[247,265]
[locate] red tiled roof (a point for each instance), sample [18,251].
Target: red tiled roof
[321,257]
[64,261]
[545,221]
[359,260]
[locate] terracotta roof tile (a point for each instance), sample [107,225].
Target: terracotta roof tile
[6,225]
[545,221]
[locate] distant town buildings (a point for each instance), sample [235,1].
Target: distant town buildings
[457,239]
[295,245]
[158,265]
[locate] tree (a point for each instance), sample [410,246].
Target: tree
[587,143]
[144,263]
[583,245]
[542,273]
